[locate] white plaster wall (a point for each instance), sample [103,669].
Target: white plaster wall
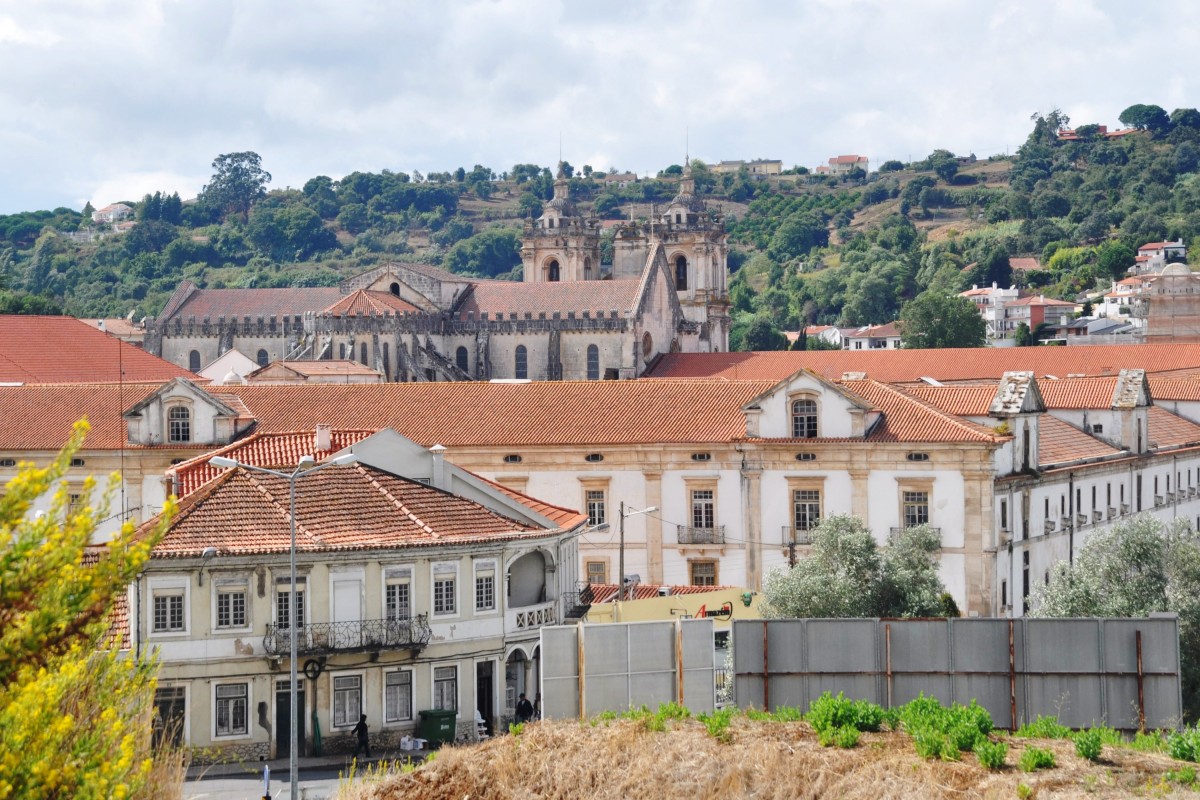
[834,418]
[946,509]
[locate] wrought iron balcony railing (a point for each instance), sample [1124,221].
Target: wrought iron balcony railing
[690,535]
[794,535]
[323,638]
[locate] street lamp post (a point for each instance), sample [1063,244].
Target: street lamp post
[303,468]
[621,558]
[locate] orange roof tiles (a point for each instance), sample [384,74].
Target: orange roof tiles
[39,417]
[1078,393]
[1168,430]
[910,419]
[37,349]
[1023,264]
[229,303]
[962,401]
[515,414]
[511,297]
[944,365]
[364,303]
[1060,442]
[1172,387]
[348,508]
[607,592]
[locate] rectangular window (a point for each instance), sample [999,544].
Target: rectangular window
[806,509]
[169,716]
[397,594]
[397,696]
[703,573]
[445,687]
[232,704]
[916,509]
[1003,515]
[703,508]
[485,586]
[283,596]
[347,700]
[168,610]
[231,607]
[445,580]
[596,507]
[597,572]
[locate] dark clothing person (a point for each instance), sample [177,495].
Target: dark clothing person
[524,709]
[360,730]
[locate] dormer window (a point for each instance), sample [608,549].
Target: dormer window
[804,419]
[179,424]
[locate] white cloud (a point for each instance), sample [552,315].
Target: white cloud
[122,97]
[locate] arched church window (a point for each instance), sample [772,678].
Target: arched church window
[522,363]
[460,358]
[363,352]
[179,424]
[194,361]
[341,351]
[552,272]
[681,274]
[587,269]
[395,289]
[262,358]
[804,419]
[593,363]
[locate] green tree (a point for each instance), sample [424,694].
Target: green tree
[938,319]
[74,716]
[762,334]
[488,253]
[238,182]
[849,575]
[1146,117]
[1136,567]
[944,164]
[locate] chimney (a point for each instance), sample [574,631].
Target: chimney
[324,437]
[438,477]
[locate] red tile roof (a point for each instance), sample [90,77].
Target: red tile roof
[1169,430]
[37,349]
[1024,264]
[910,419]
[1059,442]
[1078,393]
[944,365]
[362,303]
[253,303]
[1172,387]
[348,508]
[514,414]
[510,297]
[607,592]
[973,400]
[1039,300]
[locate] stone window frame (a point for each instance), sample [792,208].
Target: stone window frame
[400,719]
[438,571]
[521,362]
[592,362]
[169,408]
[163,587]
[691,486]
[603,561]
[349,720]
[397,575]
[231,584]
[910,485]
[812,419]
[435,681]
[245,732]
[598,484]
[482,568]
[809,483]
[705,562]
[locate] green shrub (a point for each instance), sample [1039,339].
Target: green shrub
[931,743]
[828,712]
[991,754]
[1151,742]
[1044,728]
[1088,744]
[787,714]
[960,726]
[964,735]
[717,724]
[1184,776]
[673,710]
[1035,758]
[1184,745]
[844,737]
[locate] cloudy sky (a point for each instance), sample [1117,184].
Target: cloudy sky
[104,100]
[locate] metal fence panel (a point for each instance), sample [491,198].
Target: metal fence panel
[560,672]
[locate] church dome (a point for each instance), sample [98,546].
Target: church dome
[232,378]
[1177,270]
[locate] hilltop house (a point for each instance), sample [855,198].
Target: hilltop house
[840,165]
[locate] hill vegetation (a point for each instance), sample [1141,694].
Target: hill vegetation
[805,248]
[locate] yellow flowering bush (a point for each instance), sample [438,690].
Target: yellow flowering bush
[75,714]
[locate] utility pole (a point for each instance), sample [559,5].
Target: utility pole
[621,558]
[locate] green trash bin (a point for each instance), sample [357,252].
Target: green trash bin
[437,725]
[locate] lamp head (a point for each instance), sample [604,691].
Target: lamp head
[223,461]
[307,461]
[344,460]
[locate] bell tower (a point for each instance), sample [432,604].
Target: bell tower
[561,244]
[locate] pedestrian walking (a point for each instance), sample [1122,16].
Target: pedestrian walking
[360,730]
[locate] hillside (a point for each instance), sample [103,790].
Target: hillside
[622,759]
[805,248]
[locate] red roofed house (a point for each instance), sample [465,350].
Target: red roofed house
[991,303]
[840,165]
[873,337]
[1038,309]
[666,291]
[420,586]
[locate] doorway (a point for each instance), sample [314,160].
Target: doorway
[283,717]
[485,699]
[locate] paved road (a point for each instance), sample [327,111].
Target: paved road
[314,785]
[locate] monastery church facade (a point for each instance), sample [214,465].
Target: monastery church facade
[666,291]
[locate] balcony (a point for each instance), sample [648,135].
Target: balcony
[686,534]
[1050,525]
[793,535]
[530,618]
[325,638]
[896,533]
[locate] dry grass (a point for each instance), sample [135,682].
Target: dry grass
[621,760]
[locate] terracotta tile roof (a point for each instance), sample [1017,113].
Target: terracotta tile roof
[273,450]
[312,369]
[565,518]
[253,303]
[1039,300]
[907,418]
[511,297]
[514,414]
[37,349]
[847,159]
[115,326]
[1060,442]
[1170,430]
[350,508]
[39,417]
[1176,387]
[944,365]
[118,618]
[972,400]
[1078,393]
[362,303]
[1024,264]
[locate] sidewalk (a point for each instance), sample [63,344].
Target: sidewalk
[340,762]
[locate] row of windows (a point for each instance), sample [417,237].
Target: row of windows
[168,604]
[701,571]
[232,701]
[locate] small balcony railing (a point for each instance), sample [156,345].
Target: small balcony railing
[794,535]
[323,638]
[688,534]
[529,618]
